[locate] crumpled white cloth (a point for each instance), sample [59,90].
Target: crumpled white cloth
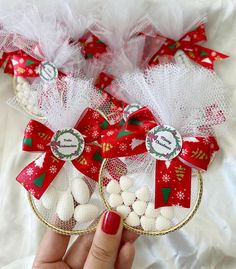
[208,241]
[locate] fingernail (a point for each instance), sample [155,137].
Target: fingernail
[111,222]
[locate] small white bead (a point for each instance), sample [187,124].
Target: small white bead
[162,223]
[152,212]
[133,219]
[143,194]
[85,213]
[26,86]
[123,210]
[167,212]
[148,224]
[19,87]
[20,95]
[139,207]
[20,80]
[128,197]
[24,101]
[115,200]
[26,93]
[30,107]
[113,186]
[125,183]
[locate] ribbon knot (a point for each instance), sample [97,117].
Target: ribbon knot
[173,166]
[38,175]
[189,43]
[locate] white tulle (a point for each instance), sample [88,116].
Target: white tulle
[174,18]
[34,25]
[63,102]
[179,96]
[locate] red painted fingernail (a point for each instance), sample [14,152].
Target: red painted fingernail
[111,222]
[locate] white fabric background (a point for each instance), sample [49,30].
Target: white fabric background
[207,242]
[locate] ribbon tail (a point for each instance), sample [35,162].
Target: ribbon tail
[38,175]
[37,136]
[90,161]
[204,56]
[172,184]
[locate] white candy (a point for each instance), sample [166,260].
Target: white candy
[162,223]
[19,88]
[133,220]
[151,212]
[128,197]
[139,207]
[125,183]
[49,198]
[167,212]
[20,80]
[123,210]
[65,206]
[26,93]
[24,101]
[113,186]
[30,107]
[80,191]
[85,213]
[20,95]
[26,86]
[115,200]
[143,194]
[148,224]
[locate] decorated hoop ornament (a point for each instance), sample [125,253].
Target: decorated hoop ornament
[184,218]
[70,203]
[141,156]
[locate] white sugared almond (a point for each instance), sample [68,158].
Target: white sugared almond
[85,213]
[125,183]
[123,210]
[113,186]
[167,212]
[65,206]
[80,191]
[133,219]
[151,212]
[162,223]
[139,207]
[128,197]
[148,224]
[115,200]
[49,198]
[143,194]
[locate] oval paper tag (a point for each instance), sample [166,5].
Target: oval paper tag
[130,109]
[163,142]
[67,144]
[48,71]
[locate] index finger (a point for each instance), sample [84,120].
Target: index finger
[52,248]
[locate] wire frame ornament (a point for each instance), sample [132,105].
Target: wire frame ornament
[140,216]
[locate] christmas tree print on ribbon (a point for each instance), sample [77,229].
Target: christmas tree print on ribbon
[174,172]
[189,44]
[38,175]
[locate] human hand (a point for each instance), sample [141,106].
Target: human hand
[110,247]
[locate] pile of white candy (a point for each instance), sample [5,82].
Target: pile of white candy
[136,208]
[26,97]
[63,202]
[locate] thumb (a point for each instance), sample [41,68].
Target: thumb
[106,242]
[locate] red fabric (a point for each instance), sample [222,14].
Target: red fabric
[128,139]
[44,169]
[189,43]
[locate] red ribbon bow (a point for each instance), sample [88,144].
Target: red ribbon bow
[189,44]
[37,176]
[173,178]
